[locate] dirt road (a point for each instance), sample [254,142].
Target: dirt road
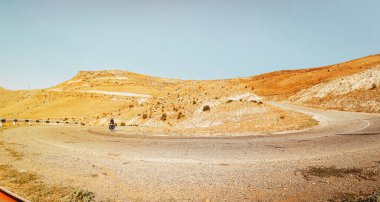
[337,159]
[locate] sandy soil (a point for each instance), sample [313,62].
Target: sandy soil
[337,159]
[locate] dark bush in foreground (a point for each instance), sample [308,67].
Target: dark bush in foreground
[82,196]
[164,117]
[180,115]
[206,108]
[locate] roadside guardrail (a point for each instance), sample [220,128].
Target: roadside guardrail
[14,121]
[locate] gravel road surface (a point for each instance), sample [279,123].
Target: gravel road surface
[314,164]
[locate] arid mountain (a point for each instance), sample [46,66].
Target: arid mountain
[116,81]
[157,104]
[281,85]
[356,92]
[187,106]
[350,86]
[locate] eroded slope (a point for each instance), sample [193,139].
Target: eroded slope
[161,105]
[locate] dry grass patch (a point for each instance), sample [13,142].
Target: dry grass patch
[15,154]
[29,186]
[332,171]
[12,152]
[354,197]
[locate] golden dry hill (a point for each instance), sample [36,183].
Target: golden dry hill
[156,104]
[351,86]
[195,106]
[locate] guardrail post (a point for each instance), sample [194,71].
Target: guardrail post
[2,121]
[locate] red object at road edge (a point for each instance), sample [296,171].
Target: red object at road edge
[7,196]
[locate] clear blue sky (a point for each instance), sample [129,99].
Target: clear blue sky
[43,43]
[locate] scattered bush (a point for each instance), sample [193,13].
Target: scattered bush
[373,86]
[164,117]
[206,108]
[82,196]
[229,101]
[326,172]
[282,117]
[144,116]
[122,124]
[259,103]
[180,115]
[194,102]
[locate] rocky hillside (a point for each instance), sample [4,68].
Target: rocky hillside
[350,86]
[281,85]
[194,106]
[165,105]
[357,92]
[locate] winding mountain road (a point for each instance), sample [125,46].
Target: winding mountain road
[130,167]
